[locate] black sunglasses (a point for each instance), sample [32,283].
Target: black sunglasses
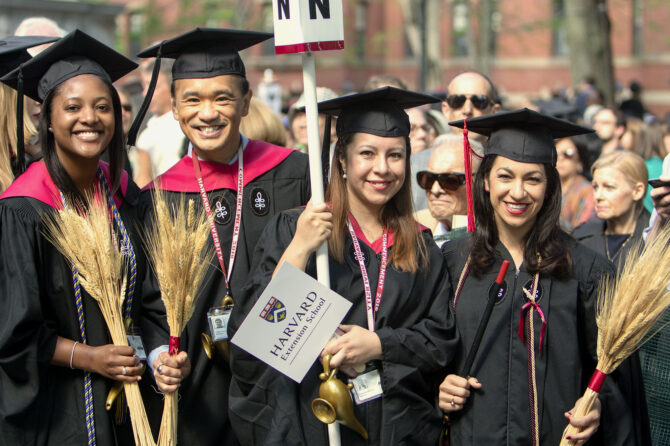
[479,101]
[447,181]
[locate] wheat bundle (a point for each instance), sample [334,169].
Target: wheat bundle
[628,310]
[180,255]
[89,244]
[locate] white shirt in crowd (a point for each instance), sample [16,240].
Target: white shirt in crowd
[164,140]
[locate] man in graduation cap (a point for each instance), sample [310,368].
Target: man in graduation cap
[241,183]
[13,52]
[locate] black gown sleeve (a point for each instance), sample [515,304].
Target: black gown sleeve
[616,417]
[430,344]
[27,336]
[262,400]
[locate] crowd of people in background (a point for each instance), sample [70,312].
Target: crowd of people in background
[590,198]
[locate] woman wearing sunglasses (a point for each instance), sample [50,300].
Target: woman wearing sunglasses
[577,205]
[539,347]
[379,259]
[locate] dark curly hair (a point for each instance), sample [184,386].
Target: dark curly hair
[545,236]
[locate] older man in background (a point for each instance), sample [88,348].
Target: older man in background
[469,94]
[443,183]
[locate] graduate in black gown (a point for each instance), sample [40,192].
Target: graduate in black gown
[49,351]
[13,52]
[539,348]
[244,183]
[407,336]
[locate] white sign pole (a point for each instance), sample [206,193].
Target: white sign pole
[303,27]
[314,147]
[316,180]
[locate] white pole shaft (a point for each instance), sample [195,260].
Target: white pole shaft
[316,180]
[314,150]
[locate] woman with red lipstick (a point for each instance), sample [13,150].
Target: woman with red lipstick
[378,256]
[539,346]
[57,362]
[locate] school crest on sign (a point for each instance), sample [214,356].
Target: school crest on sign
[274,311]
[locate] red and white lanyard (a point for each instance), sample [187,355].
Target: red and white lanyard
[371,313]
[210,216]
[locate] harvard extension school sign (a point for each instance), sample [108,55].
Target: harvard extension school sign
[307,25]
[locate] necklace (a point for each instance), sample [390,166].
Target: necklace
[607,247]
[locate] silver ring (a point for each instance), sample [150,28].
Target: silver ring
[159,369]
[123,371]
[452,402]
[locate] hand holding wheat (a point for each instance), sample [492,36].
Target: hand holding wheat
[629,308]
[180,255]
[88,242]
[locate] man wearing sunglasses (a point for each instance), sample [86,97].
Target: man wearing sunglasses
[443,183]
[469,94]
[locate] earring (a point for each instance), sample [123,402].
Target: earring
[51,130]
[344,175]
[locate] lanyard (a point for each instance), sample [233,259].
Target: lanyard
[210,216]
[366,281]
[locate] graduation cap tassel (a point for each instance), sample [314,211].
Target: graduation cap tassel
[135,127]
[467,158]
[20,149]
[325,152]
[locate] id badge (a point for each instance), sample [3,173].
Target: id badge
[135,341]
[367,386]
[218,322]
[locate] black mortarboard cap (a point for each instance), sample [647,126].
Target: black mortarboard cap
[206,52]
[379,112]
[73,55]
[13,50]
[199,54]
[522,135]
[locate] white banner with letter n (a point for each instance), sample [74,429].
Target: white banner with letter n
[291,322]
[307,25]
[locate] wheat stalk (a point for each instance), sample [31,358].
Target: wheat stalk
[628,310]
[180,255]
[89,244]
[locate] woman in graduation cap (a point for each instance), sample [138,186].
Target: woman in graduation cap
[399,332]
[54,343]
[539,347]
[13,52]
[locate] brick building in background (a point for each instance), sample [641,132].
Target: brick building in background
[527,42]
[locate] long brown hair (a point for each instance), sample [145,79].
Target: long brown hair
[8,132]
[409,251]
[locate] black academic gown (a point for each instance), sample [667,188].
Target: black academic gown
[499,413]
[42,404]
[629,374]
[281,177]
[418,339]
